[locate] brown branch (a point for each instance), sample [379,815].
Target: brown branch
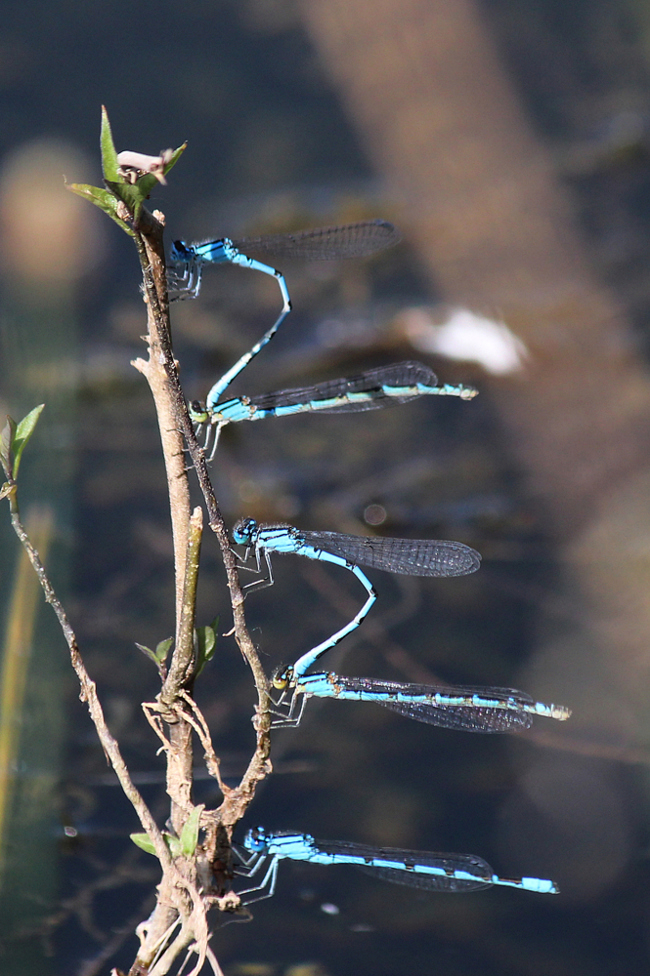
[161,371]
[180,672]
[153,263]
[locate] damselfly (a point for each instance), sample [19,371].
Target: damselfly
[417,869]
[467,708]
[374,388]
[349,240]
[411,557]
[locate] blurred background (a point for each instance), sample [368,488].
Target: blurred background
[510,142]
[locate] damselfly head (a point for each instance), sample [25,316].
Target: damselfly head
[180,251]
[281,677]
[255,839]
[198,413]
[244,531]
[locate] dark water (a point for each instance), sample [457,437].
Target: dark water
[268,143]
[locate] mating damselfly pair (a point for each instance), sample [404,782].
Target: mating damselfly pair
[459,707]
[397,383]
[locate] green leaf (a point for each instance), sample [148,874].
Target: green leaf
[143,841]
[109,154]
[162,650]
[21,437]
[206,643]
[129,194]
[104,199]
[176,155]
[160,654]
[174,845]
[146,651]
[190,831]
[119,191]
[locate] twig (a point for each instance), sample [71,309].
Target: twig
[180,672]
[200,726]
[153,265]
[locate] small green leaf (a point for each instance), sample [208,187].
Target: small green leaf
[162,650]
[143,841]
[109,154]
[176,155]
[103,199]
[21,437]
[159,655]
[190,831]
[28,423]
[174,845]
[130,194]
[206,643]
[147,652]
